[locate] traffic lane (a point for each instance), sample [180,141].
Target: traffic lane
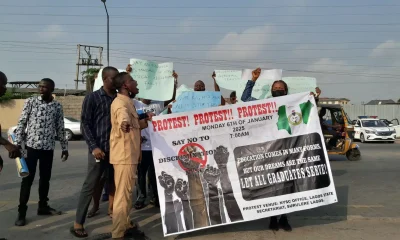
[368,186]
[352,181]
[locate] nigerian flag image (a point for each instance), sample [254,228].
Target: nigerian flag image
[290,117]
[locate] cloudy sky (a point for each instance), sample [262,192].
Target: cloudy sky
[351,47]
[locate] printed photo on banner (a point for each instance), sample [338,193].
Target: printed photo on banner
[243,162]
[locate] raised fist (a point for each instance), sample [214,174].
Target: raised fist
[256,74]
[167,182]
[211,175]
[221,155]
[181,188]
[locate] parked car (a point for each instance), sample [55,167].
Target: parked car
[395,124]
[72,128]
[371,129]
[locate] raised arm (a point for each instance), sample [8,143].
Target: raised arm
[216,88]
[175,75]
[246,96]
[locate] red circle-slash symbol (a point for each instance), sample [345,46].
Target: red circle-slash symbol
[193,151]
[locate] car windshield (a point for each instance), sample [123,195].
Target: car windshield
[71,119]
[373,123]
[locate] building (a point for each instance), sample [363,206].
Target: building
[381,102]
[341,101]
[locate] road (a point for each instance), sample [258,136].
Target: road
[368,207]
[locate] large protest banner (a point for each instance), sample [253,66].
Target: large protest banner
[240,162]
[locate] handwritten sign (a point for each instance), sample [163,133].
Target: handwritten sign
[155,81]
[300,84]
[228,79]
[189,101]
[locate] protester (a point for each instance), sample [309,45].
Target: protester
[217,89]
[41,122]
[146,165]
[12,149]
[279,88]
[96,128]
[124,150]
[199,86]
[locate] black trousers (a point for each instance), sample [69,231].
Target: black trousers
[95,172]
[45,158]
[147,166]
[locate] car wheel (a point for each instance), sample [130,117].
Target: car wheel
[353,154]
[68,134]
[362,138]
[391,142]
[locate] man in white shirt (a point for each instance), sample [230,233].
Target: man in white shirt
[147,164]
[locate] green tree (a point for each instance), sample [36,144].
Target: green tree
[90,76]
[7,96]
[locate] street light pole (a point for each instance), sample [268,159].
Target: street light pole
[108,34]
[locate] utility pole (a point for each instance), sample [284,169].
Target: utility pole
[88,57]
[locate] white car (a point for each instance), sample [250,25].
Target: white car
[71,125]
[373,130]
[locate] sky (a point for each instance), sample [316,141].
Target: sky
[350,47]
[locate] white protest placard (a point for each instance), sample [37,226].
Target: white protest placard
[228,79]
[263,83]
[155,81]
[240,162]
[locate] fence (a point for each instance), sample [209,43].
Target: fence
[382,111]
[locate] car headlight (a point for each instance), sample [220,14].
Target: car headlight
[369,131]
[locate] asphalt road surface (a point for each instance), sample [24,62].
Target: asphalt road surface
[368,207]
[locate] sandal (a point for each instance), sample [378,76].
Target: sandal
[79,233]
[93,212]
[139,205]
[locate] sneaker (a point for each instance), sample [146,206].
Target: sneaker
[47,211]
[273,224]
[21,220]
[284,224]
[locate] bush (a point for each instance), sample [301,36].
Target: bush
[7,97]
